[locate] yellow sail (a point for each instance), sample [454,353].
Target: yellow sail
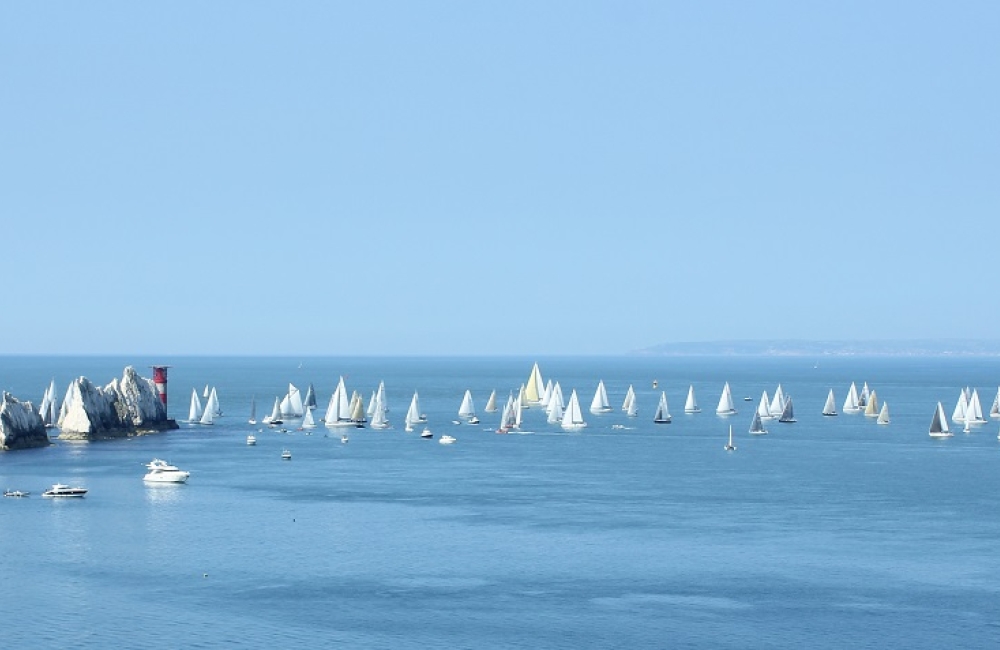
[535,387]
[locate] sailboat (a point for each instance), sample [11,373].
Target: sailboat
[830,408]
[995,409]
[309,401]
[275,417]
[883,415]
[534,389]
[778,403]
[863,396]
[851,401]
[629,398]
[871,407]
[491,403]
[729,445]
[633,406]
[509,417]
[573,418]
[600,403]
[212,403]
[958,415]
[338,411]
[788,414]
[763,408]
[726,406]
[291,405]
[253,411]
[308,421]
[378,419]
[662,415]
[194,413]
[939,424]
[358,412]
[467,409]
[554,410]
[690,405]
[756,425]
[975,410]
[208,414]
[413,415]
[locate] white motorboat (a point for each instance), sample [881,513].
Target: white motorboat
[286,455]
[160,471]
[446,439]
[15,493]
[426,433]
[251,440]
[61,490]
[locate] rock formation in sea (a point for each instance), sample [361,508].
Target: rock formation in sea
[126,407]
[21,426]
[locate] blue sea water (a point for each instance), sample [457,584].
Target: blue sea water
[826,533]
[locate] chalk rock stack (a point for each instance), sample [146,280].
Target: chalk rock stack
[21,426]
[126,407]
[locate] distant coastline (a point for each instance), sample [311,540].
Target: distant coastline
[802,348]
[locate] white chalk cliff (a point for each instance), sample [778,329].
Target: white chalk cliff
[124,407]
[21,426]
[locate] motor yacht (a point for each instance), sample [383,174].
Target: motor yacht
[61,490]
[160,471]
[446,439]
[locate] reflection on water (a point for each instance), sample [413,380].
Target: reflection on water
[164,493]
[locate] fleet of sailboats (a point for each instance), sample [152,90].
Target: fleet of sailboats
[344,410]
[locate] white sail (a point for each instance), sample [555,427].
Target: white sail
[633,406]
[378,419]
[535,388]
[958,415]
[509,417]
[491,403]
[939,424]
[467,410]
[974,411]
[205,392]
[544,401]
[573,417]
[600,403]
[863,396]
[381,397]
[194,413]
[851,401]
[338,411]
[292,406]
[788,413]
[830,408]
[690,405]
[308,421]
[662,415]
[629,398]
[212,403]
[778,403]
[518,412]
[208,414]
[413,413]
[763,408]
[275,416]
[253,411]
[371,404]
[995,409]
[757,425]
[871,406]
[556,398]
[730,446]
[554,411]
[726,406]
[883,415]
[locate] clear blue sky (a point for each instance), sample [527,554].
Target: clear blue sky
[494,177]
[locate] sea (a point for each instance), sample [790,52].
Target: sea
[829,532]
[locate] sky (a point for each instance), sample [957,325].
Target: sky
[494,178]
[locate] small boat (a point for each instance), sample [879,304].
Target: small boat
[729,445]
[251,440]
[747,399]
[764,407]
[851,401]
[871,406]
[286,455]
[446,439]
[15,493]
[344,439]
[160,471]
[426,433]
[61,490]
[473,420]
[253,411]
[534,390]
[572,419]
[756,426]
[467,410]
